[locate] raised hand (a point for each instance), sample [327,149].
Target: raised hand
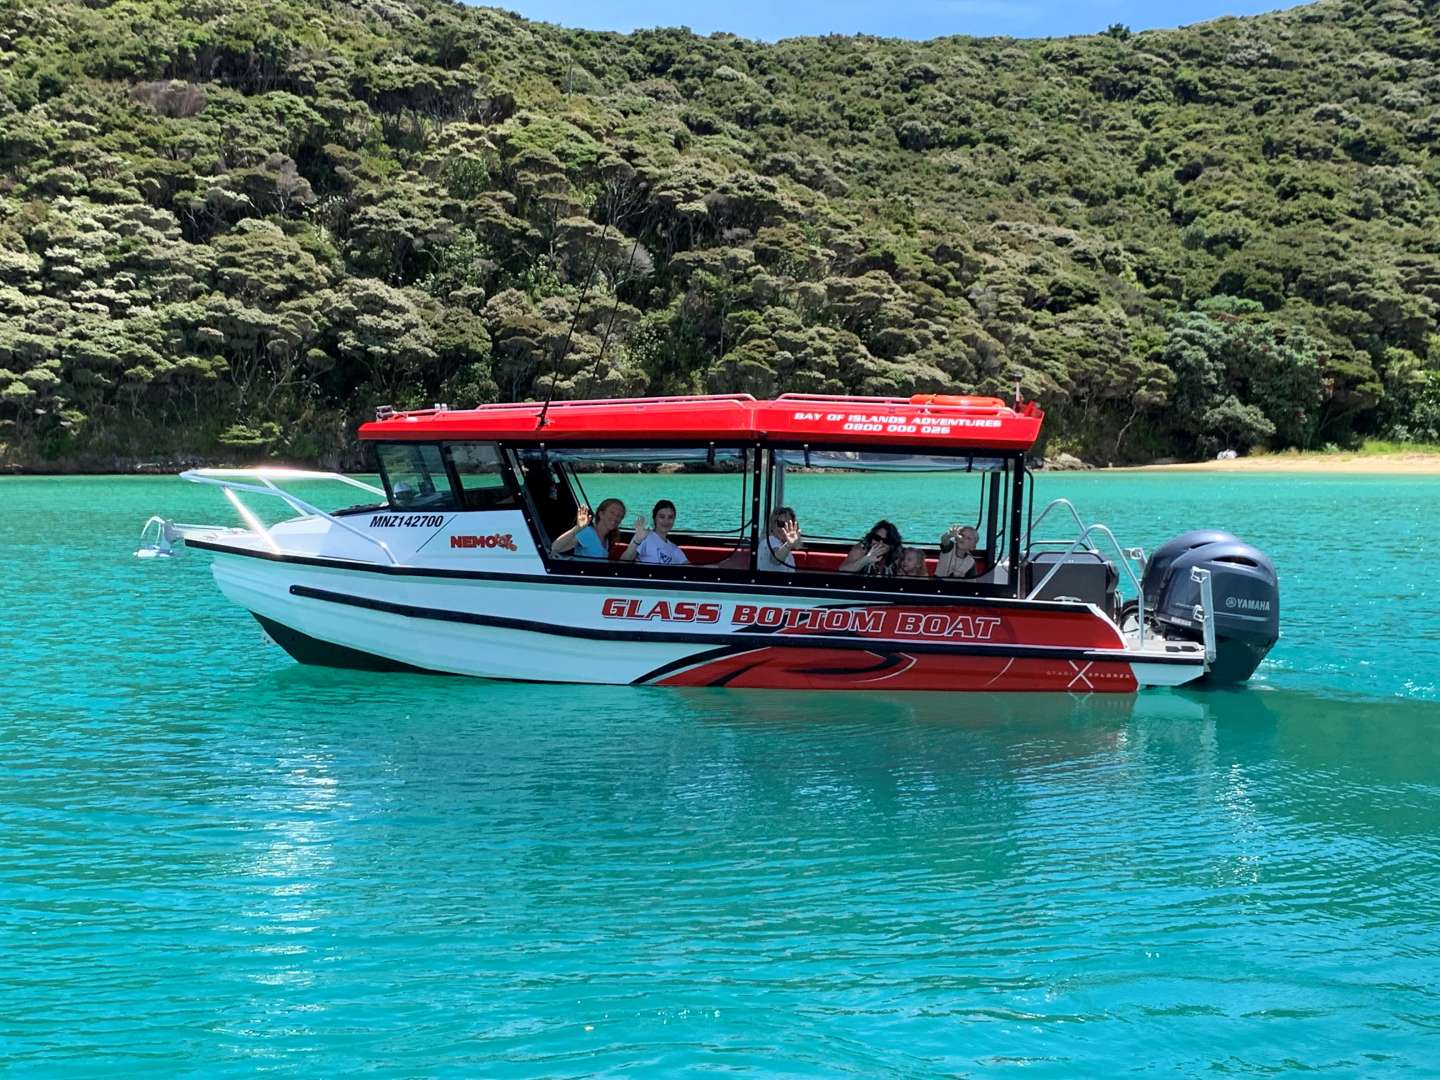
[640,529]
[582,516]
[791,531]
[877,552]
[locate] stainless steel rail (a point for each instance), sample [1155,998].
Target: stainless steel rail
[1082,543]
[228,479]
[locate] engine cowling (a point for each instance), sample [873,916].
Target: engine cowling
[1245,591]
[1157,568]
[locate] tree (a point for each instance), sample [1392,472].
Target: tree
[1231,424]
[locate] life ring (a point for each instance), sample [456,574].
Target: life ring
[965,401]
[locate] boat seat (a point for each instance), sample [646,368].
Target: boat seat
[1083,575]
[829,561]
[725,556]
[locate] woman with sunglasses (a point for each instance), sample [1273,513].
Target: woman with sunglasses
[877,554]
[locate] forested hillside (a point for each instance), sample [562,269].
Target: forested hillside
[231,227]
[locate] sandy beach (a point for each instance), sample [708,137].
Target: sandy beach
[1376,464]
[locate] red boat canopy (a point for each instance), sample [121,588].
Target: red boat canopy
[931,421]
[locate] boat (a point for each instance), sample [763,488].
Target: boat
[453,562]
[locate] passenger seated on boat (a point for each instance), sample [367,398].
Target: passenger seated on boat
[590,539]
[655,545]
[877,553]
[912,563]
[778,545]
[957,552]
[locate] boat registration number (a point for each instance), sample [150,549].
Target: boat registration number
[407,521]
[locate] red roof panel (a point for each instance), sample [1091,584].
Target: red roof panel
[924,421]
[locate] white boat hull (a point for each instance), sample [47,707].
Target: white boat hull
[618,631]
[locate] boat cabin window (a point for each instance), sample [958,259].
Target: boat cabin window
[709,486]
[481,474]
[840,495]
[415,477]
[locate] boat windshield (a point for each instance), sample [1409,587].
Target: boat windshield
[415,476]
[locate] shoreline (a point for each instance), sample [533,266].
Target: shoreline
[1352,464]
[1401,464]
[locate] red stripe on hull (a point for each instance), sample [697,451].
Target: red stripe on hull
[1075,628]
[830,669]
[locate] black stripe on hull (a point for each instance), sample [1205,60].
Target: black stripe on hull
[741,639]
[693,660]
[310,650]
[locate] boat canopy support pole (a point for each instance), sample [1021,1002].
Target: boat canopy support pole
[992,525]
[1017,509]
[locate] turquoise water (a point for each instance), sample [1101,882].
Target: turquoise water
[214,862]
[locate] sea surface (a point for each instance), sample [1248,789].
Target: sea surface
[215,862]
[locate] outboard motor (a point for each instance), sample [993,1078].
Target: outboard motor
[1157,569]
[1245,592]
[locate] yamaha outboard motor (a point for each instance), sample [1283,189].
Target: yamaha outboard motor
[1157,568]
[1243,588]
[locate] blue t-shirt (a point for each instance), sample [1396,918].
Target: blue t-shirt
[588,545]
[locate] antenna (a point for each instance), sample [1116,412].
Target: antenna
[570,334]
[614,310]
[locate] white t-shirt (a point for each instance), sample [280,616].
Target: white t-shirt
[656,549]
[765,558]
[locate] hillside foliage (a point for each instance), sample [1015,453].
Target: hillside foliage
[236,226]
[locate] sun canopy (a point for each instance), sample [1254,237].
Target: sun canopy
[928,421]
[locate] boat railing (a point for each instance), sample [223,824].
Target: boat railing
[389,412]
[1135,555]
[850,401]
[232,481]
[1082,542]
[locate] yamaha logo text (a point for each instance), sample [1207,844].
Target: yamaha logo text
[1243,604]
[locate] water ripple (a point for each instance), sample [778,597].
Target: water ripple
[214,862]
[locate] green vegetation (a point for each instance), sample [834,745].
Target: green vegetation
[1367,448]
[233,226]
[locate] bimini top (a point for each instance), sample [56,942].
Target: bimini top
[933,421]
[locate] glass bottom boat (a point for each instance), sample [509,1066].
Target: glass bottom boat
[470,555]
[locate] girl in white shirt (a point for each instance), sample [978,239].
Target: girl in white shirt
[654,546]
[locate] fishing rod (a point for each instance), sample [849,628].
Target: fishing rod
[614,311]
[574,321]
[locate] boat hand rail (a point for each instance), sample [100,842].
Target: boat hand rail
[1053,504]
[517,406]
[1082,542]
[276,472]
[867,402]
[1135,555]
[222,478]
